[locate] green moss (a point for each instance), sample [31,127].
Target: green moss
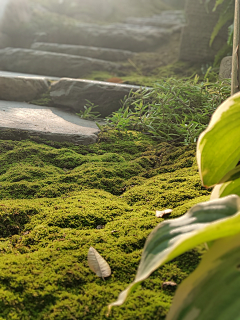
[23,171]
[53,198]
[149,76]
[43,100]
[179,69]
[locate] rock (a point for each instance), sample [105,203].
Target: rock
[197,34]
[122,36]
[24,19]
[175,3]
[5,41]
[16,21]
[167,19]
[40,36]
[225,71]
[107,10]
[25,75]
[22,88]
[51,64]
[92,52]
[74,93]
[20,120]
[2,8]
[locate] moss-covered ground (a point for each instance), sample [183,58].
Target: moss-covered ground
[53,200]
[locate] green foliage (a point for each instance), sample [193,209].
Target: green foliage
[87,113]
[44,100]
[223,52]
[219,139]
[204,222]
[217,155]
[226,17]
[217,276]
[45,235]
[173,110]
[30,171]
[150,74]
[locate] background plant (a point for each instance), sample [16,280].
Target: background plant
[87,113]
[226,17]
[174,110]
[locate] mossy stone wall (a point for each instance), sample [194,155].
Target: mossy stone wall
[196,35]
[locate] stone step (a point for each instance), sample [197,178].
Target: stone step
[10,74]
[172,19]
[51,64]
[22,88]
[135,34]
[131,37]
[20,120]
[67,93]
[91,52]
[73,93]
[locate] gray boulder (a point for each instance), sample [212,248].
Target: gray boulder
[72,93]
[225,71]
[122,36]
[51,64]
[22,88]
[92,52]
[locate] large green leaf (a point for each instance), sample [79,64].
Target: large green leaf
[204,222]
[230,184]
[231,175]
[212,290]
[224,189]
[218,149]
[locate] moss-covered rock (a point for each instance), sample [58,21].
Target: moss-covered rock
[58,200]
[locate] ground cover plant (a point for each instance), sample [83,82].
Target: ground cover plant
[173,110]
[58,200]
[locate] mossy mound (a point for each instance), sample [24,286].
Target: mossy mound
[57,200]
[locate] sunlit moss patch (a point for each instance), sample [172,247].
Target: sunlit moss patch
[57,200]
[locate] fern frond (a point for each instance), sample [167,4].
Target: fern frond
[227,15]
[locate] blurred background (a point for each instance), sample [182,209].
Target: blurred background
[148,34]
